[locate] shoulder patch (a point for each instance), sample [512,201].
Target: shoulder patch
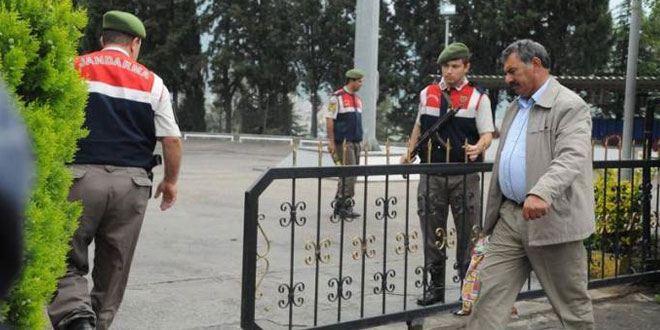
[332,107]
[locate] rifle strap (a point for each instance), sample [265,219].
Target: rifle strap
[447,98]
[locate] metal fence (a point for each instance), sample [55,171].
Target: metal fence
[307,267]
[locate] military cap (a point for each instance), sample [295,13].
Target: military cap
[124,22]
[354,74]
[454,51]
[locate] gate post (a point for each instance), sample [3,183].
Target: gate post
[248,294]
[647,186]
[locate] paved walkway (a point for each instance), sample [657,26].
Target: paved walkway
[187,270]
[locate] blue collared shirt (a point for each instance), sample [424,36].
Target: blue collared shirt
[512,170]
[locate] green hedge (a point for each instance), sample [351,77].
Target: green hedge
[38,42]
[619,214]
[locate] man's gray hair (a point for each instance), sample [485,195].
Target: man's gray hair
[527,49]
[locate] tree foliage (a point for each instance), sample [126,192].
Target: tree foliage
[38,41]
[225,69]
[412,37]
[310,43]
[571,30]
[324,47]
[649,64]
[263,52]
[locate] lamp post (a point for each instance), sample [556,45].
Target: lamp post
[447,10]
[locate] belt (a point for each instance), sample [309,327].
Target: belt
[512,201]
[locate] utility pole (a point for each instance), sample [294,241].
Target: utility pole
[447,10]
[366,58]
[631,77]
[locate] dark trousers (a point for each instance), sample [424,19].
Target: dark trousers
[435,195]
[114,200]
[346,186]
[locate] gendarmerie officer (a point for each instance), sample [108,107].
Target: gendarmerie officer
[128,112]
[344,126]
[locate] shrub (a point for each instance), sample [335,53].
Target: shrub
[618,212]
[38,42]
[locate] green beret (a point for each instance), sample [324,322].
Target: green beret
[124,22]
[354,74]
[454,51]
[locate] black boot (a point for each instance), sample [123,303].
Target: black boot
[348,211]
[80,324]
[338,206]
[433,295]
[343,209]
[434,292]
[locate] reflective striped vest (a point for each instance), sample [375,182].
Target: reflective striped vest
[348,123]
[463,126]
[119,112]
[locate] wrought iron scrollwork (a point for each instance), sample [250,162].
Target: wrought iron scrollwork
[387,212]
[317,252]
[427,204]
[476,234]
[635,218]
[604,220]
[385,286]
[456,278]
[402,237]
[363,247]
[451,238]
[337,217]
[293,214]
[340,292]
[262,257]
[424,272]
[460,203]
[441,238]
[291,298]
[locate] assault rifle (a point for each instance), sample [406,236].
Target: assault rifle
[432,132]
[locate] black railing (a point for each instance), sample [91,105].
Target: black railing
[344,283]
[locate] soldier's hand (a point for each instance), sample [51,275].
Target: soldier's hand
[169,191]
[332,147]
[534,207]
[473,151]
[404,159]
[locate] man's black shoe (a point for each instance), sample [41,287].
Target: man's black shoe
[80,324]
[346,213]
[344,210]
[431,297]
[338,206]
[348,210]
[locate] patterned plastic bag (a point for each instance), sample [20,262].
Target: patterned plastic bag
[471,283]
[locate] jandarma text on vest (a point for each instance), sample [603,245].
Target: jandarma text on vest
[110,60]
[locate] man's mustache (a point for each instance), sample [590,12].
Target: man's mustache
[513,85]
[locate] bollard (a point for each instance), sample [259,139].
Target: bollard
[320,151]
[387,151]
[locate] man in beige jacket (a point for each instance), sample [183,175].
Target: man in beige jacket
[541,202]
